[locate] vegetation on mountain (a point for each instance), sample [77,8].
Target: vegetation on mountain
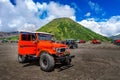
[65,28]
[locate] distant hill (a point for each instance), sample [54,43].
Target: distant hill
[115,37]
[13,38]
[8,34]
[65,28]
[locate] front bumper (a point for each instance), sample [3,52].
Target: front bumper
[63,58]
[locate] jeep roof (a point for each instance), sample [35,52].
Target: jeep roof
[34,32]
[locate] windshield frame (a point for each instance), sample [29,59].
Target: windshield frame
[42,36]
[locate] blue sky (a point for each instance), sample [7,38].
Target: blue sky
[101,16]
[100,9]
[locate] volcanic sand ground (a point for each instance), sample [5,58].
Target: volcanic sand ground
[91,62]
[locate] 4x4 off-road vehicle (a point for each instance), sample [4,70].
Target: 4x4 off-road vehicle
[95,41]
[116,42]
[71,43]
[42,46]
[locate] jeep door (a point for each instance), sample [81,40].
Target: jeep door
[27,43]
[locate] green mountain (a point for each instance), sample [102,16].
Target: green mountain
[65,28]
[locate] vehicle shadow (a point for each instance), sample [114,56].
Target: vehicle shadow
[31,62]
[35,62]
[61,67]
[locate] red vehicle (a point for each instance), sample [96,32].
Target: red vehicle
[82,41]
[95,41]
[117,42]
[42,46]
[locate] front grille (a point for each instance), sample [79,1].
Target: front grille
[61,49]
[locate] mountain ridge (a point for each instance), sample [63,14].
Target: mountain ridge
[65,28]
[8,34]
[115,37]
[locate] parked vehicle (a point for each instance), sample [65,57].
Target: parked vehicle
[82,41]
[41,45]
[95,41]
[117,42]
[4,40]
[71,43]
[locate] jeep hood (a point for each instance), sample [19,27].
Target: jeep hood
[59,45]
[45,43]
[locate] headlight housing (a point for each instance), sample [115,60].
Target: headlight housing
[61,50]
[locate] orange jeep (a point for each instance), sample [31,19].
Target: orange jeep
[42,46]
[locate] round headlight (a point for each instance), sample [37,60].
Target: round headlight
[67,49]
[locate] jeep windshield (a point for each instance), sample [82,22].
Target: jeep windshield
[45,37]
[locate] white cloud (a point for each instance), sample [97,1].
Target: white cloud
[95,7]
[27,27]
[58,10]
[91,24]
[31,5]
[4,0]
[27,12]
[0,22]
[106,28]
[88,14]
[41,6]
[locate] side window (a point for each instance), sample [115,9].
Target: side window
[24,37]
[28,37]
[33,37]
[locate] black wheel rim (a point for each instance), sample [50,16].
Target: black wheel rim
[45,61]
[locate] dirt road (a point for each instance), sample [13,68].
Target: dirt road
[92,62]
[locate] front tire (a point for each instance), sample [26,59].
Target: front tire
[67,62]
[46,62]
[21,59]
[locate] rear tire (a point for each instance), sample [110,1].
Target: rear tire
[46,62]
